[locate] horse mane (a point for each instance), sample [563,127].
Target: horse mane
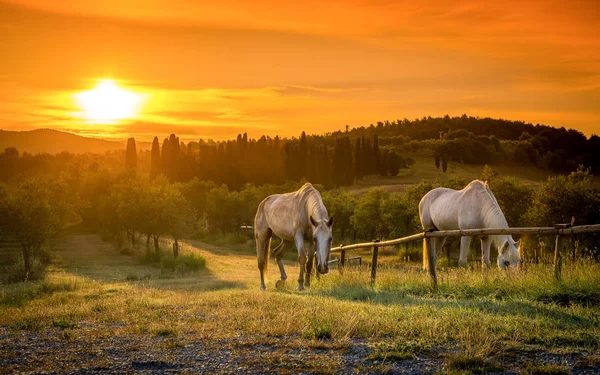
[314,202]
[493,217]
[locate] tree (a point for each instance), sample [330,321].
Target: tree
[514,199]
[36,210]
[220,208]
[358,160]
[131,155]
[155,159]
[177,215]
[487,174]
[367,213]
[376,155]
[394,163]
[341,206]
[565,196]
[396,218]
[383,164]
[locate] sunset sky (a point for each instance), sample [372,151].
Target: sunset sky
[213,69]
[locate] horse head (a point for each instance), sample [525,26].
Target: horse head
[510,254]
[322,236]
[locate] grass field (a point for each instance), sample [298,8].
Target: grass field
[100,311]
[424,169]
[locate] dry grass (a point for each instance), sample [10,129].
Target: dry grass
[476,315]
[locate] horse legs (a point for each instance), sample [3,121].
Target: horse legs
[309,265]
[486,243]
[465,243]
[301,259]
[278,252]
[263,242]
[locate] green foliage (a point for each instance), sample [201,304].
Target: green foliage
[514,199]
[563,197]
[487,174]
[183,263]
[34,211]
[367,214]
[464,150]
[341,206]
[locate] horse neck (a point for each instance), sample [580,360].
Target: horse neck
[494,218]
[315,206]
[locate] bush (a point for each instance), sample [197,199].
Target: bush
[183,263]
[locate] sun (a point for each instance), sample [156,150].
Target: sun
[108,103]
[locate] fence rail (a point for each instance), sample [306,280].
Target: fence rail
[561,231]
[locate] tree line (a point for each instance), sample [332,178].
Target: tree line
[126,207]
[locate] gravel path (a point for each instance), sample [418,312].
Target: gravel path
[48,352]
[51,351]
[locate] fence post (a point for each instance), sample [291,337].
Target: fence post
[558,246]
[342,261]
[374,262]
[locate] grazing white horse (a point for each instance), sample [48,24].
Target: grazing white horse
[293,217]
[470,208]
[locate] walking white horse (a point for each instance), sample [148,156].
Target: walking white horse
[473,207]
[293,217]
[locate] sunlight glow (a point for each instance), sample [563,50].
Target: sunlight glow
[108,103]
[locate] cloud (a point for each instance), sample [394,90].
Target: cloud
[283,67]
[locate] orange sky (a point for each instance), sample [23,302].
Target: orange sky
[213,69]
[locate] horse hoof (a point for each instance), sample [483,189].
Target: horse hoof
[262,287]
[300,288]
[279,284]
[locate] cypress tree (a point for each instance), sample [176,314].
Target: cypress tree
[164,156]
[383,164]
[358,160]
[376,152]
[131,155]
[155,159]
[303,156]
[337,173]
[347,160]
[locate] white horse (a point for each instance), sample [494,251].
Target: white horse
[470,208]
[294,217]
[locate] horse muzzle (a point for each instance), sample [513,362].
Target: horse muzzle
[323,269]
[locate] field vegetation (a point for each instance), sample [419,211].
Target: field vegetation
[143,261]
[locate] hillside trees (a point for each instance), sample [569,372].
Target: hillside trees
[341,206]
[34,211]
[131,155]
[155,169]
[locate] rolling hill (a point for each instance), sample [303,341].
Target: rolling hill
[54,141]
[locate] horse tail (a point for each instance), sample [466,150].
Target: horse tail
[425,255]
[262,235]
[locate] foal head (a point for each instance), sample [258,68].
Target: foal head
[510,254]
[322,242]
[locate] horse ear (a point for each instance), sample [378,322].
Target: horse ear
[518,244]
[330,222]
[312,221]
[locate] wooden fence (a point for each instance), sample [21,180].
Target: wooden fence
[561,231]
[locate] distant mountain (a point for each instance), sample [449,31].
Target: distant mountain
[54,142]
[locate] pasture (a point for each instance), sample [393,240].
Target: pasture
[98,310]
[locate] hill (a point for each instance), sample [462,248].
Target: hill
[54,142]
